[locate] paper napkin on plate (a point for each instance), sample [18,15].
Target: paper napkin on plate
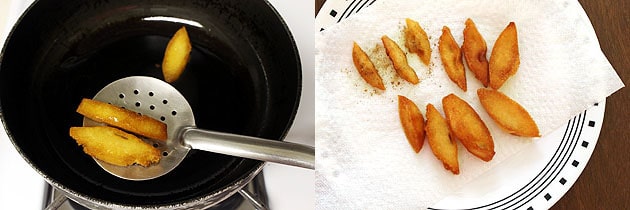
[363,158]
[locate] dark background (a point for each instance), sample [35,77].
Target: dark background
[604,183]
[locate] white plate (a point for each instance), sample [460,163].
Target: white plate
[536,177]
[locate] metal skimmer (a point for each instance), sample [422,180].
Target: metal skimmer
[159,100]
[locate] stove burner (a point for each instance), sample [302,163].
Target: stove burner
[256,189]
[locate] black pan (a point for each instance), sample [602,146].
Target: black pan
[244,77]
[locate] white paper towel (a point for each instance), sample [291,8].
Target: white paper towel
[363,158]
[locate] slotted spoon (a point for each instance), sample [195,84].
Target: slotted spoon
[158,99]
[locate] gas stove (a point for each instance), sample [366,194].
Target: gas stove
[278,186]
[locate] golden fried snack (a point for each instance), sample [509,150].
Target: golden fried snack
[466,125]
[474,49]
[444,148]
[114,146]
[399,59]
[176,55]
[504,59]
[417,41]
[366,68]
[412,122]
[507,113]
[122,118]
[451,57]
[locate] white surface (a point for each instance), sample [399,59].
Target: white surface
[288,187]
[22,187]
[360,142]
[292,188]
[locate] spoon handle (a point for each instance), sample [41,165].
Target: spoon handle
[250,147]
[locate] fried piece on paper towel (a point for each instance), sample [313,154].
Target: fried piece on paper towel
[507,113]
[505,58]
[366,68]
[417,41]
[443,146]
[468,127]
[474,49]
[399,60]
[412,122]
[451,56]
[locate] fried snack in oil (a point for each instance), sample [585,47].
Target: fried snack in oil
[507,113]
[122,118]
[115,146]
[451,57]
[412,122]
[176,55]
[474,49]
[417,41]
[399,60]
[466,125]
[366,68]
[443,146]
[505,57]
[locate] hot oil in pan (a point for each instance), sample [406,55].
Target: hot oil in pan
[224,88]
[61,52]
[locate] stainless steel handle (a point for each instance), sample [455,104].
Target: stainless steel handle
[250,147]
[253,200]
[57,200]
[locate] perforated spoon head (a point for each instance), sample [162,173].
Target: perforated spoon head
[159,100]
